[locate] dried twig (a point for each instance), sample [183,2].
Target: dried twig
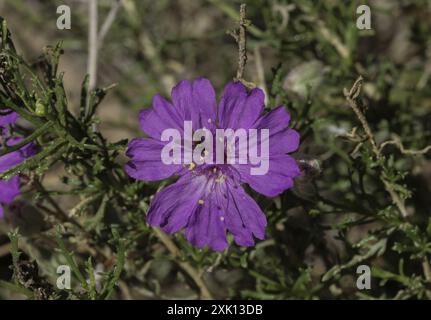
[233,13]
[352,98]
[397,141]
[240,37]
[242,43]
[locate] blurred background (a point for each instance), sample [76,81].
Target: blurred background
[302,53]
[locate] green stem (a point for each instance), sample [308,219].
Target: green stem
[27,140]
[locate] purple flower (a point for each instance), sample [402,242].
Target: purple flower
[7,117]
[10,189]
[208,199]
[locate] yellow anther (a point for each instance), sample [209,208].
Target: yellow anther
[201,201]
[219,179]
[192,165]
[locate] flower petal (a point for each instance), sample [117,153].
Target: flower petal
[207,227]
[146,163]
[281,142]
[204,100]
[284,141]
[161,116]
[172,207]
[282,169]
[9,190]
[276,120]
[244,218]
[15,158]
[196,102]
[7,117]
[239,109]
[182,99]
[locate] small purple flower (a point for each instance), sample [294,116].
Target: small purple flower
[7,117]
[10,189]
[208,200]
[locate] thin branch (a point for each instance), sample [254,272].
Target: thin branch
[58,212]
[325,32]
[427,273]
[108,22]
[352,98]
[260,72]
[27,140]
[332,38]
[187,267]
[233,14]
[242,42]
[427,72]
[16,288]
[96,38]
[427,269]
[92,43]
[397,141]
[240,37]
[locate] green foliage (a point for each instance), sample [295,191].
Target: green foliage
[363,197]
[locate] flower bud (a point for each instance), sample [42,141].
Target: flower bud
[40,109]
